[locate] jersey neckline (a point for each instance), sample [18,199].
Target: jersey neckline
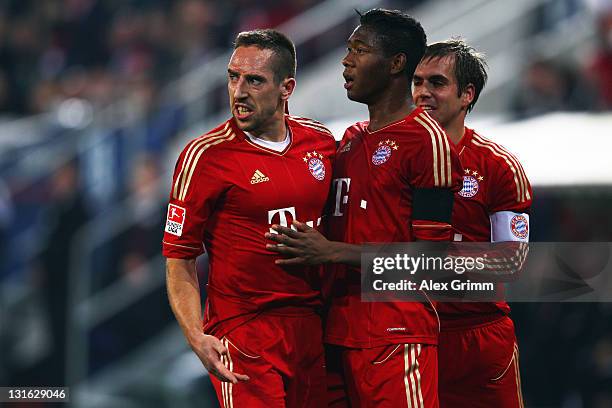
[245,138]
[412,114]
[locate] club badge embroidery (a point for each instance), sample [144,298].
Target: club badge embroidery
[315,164]
[383,152]
[470,183]
[519,226]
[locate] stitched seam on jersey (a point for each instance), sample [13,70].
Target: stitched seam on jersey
[516,167]
[448,167]
[430,226]
[189,153]
[182,246]
[442,156]
[434,149]
[185,188]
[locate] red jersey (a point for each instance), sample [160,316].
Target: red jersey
[375,177]
[493,181]
[227,192]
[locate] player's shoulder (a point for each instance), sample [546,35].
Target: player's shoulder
[311,126]
[421,123]
[505,165]
[494,152]
[214,139]
[356,129]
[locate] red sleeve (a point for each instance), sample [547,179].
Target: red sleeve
[190,207]
[435,168]
[512,190]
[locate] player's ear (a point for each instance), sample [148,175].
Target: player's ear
[467,96]
[287,86]
[398,63]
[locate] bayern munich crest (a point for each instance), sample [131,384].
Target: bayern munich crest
[519,226]
[315,164]
[383,152]
[470,187]
[470,183]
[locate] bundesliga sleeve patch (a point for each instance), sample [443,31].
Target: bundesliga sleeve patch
[175,220]
[509,226]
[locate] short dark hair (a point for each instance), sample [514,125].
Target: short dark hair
[397,32]
[470,65]
[279,43]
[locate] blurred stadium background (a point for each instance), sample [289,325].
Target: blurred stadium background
[98,96]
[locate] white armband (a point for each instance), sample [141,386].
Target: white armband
[509,226]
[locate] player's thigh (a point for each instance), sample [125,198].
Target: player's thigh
[265,388]
[478,367]
[399,375]
[304,378]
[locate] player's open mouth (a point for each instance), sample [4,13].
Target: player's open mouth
[242,112]
[427,107]
[348,84]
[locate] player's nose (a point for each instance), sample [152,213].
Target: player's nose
[420,93]
[347,60]
[239,91]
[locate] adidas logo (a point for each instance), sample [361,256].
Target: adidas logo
[259,177]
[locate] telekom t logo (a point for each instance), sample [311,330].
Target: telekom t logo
[283,218]
[341,194]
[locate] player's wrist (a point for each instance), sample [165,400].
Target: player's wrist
[334,252]
[195,337]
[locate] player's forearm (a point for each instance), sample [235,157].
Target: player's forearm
[184,296]
[343,253]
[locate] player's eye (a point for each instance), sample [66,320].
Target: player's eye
[255,81]
[232,77]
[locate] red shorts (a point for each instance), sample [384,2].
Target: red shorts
[283,356]
[337,394]
[479,367]
[397,376]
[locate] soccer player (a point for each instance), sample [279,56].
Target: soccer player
[261,338]
[477,352]
[394,179]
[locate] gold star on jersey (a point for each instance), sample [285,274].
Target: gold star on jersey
[315,165]
[384,151]
[471,184]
